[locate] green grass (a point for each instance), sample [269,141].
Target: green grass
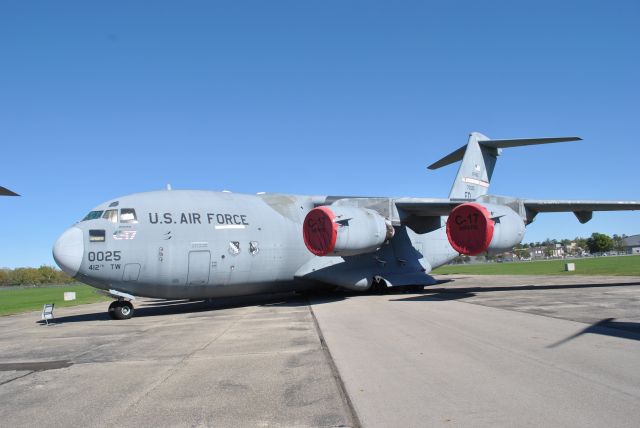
[25,299]
[624,265]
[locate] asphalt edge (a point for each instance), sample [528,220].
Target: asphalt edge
[346,400]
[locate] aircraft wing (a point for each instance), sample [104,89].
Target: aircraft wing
[426,207]
[423,215]
[582,209]
[442,207]
[6,192]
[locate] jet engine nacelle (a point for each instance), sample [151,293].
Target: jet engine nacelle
[473,228]
[344,231]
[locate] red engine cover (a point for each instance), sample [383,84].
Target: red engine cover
[320,231]
[470,229]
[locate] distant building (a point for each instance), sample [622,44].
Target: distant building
[557,251]
[551,251]
[537,252]
[632,244]
[572,248]
[508,256]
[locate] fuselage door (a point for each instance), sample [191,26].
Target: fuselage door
[199,262]
[131,272]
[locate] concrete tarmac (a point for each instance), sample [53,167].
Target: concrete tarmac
[491,351]
[471,351]
[239,363]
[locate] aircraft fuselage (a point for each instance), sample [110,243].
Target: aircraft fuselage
[201,244]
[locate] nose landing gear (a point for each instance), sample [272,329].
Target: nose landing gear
[120,310]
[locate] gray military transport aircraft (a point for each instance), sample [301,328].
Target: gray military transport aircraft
[187,244]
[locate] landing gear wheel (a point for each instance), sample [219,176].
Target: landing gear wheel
[379,287]
[112,308]
[120,310]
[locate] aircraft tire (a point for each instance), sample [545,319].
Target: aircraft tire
[122,310]
[111,310]
[378,287]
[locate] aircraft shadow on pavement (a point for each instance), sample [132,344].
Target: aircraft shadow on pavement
[435,294]
[607,327]
[158,307]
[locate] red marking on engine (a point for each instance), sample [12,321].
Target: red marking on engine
[470,229]
[319,230]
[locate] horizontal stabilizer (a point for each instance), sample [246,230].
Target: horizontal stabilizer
[450,158]
[458,154]
[503,144]
[6,192]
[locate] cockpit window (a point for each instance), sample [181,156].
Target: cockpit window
[111,215]
[93,215]
[128,215]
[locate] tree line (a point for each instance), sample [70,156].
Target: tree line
[34,276]
[596,243]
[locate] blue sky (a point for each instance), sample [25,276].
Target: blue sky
[101,99]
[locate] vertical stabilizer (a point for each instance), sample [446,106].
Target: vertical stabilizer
[474,174]
[478,160]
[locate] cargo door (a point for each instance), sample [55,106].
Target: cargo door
[199,262]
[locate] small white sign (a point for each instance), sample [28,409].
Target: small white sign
[69,295]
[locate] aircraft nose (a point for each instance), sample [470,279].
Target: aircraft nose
[69,250]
